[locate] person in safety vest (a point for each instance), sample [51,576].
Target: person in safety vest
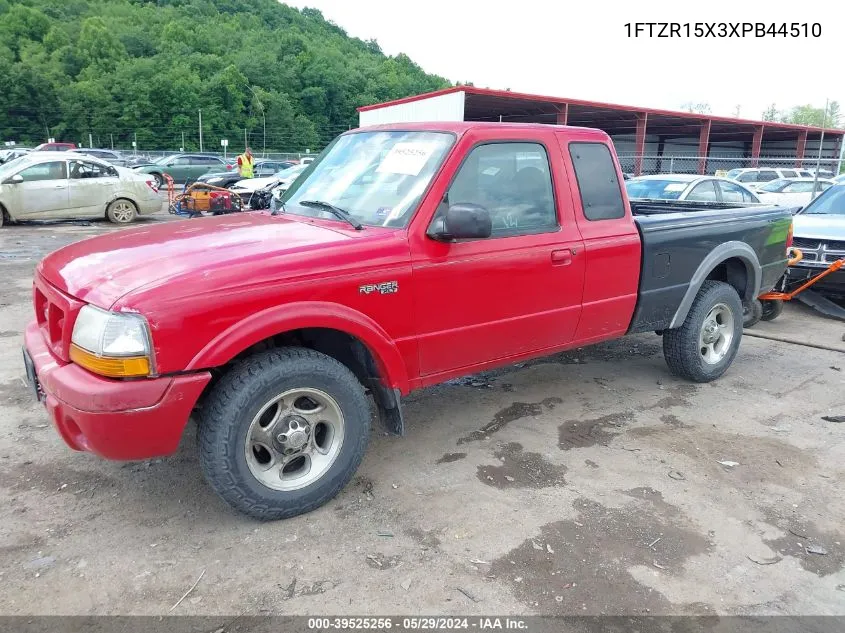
[245,164]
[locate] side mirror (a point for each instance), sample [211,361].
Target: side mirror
[15,180]
[462,221]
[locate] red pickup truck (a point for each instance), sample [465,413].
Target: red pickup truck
[403,257]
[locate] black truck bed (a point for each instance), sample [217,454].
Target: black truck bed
[685,243]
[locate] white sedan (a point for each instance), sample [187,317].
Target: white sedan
[281,180]
[690,187]
[791,192]
[53,185]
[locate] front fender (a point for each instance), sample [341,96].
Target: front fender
[306,314]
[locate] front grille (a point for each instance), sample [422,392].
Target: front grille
[802,243]
[819,253]
[54,313]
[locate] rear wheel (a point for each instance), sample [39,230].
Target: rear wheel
[706,344]
[121,211]
[159,180]
[772,309]
[283,432]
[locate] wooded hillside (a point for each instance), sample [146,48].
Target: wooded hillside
[115,68]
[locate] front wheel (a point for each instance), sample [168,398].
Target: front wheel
[706,344]
[282,432]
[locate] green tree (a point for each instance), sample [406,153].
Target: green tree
[771,114]
[817,117]
[98,47]
[697,108]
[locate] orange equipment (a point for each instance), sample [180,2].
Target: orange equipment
[796,257]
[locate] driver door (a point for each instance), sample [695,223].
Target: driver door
[516,292]
[43,192]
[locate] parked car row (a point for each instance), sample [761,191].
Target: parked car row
[688,187]
[785,191]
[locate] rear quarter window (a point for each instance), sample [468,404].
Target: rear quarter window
[598,184]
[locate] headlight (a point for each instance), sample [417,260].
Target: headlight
[115,344]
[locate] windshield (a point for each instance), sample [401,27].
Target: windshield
[655,189]
[775,186]
[376,177]
[830,202]
[12,167]
[733,173]
[161,160]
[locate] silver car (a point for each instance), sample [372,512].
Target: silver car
[691,187]
[52,185]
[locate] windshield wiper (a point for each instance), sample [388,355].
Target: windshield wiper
[336,211]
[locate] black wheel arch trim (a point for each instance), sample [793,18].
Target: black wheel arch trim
[719,255]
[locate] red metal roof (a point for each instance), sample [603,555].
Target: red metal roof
[541,99]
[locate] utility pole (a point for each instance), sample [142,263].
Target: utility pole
[200,130]
[246,143]
[182,146]
[819,158]
[264,141]
[135,143]
[90,140]
[111,136]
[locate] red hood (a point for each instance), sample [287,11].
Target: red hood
[102,269]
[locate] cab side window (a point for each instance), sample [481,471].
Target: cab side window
[513,182]
[598,183]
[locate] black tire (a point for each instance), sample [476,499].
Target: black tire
[159,179]
[752,313]
[237,399]
[772,309]
[681,346]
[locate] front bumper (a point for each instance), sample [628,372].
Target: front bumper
[115,419]
[834,283]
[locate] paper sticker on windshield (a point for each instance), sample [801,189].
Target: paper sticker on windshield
[406,158]
[491,171]
[675,186]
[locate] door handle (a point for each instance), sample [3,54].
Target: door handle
[59,186]
[562,257]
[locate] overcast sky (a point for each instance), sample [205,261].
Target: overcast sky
[581,50]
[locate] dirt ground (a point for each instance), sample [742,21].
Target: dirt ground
[587,483]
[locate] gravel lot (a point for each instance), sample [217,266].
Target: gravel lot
[586,483]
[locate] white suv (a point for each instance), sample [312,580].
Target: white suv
[752,177]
